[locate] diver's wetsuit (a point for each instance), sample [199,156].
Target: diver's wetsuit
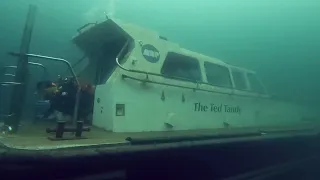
[64,100]
[42,85]
[86,101]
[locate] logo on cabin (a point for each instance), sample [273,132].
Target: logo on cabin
[150,53]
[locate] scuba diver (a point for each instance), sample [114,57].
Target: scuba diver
[62,98]
[46,89]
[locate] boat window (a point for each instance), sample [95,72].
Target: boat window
[217,75]
[239,80]
[125,52]
[181,66]
[255,84]
[106,63]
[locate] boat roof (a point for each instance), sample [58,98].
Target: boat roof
[134,32]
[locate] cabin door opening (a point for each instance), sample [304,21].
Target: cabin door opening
[106,62]
[101,44]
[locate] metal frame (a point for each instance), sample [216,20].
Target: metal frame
[86,25]
[75,115]
[11,83]
[13,75]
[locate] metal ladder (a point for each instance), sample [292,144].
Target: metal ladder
[5,83]
[60,129]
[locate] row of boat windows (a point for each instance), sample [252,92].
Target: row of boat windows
[181,66]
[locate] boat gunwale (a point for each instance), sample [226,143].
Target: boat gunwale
[123,148]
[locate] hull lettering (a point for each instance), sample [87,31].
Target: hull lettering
[217,108]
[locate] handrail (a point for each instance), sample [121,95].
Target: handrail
[149,73]
[84,26]
[31,63]
[38,64]
[75,115]
[10,83]
[45,71]
[167,84]
[185,87]
[7,67]
[179,78]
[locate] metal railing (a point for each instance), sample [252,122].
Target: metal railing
[14,67]
[75,115]
[12,83]
[86,25]
[197,83]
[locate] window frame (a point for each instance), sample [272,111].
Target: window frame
[228,70]
[197,62]
[247,88]
[259,81]
[126,51]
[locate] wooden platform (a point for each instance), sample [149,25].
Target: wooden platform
[34,137]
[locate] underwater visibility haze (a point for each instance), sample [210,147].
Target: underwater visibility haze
[279,39]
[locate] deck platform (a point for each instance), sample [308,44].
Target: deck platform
[34,137]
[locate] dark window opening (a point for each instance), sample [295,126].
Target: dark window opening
[107,59]
[217,75]
[164,38]
[255,84]
[239,80]
[101,44]
[125,52]
[181,67]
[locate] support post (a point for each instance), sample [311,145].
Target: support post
[19,92]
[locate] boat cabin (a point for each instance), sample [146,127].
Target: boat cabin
[144,82]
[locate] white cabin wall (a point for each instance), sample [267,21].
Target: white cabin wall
[143,107]
[140,101]
[247,115]
[104,110]
[146,111]
[277,113]
[218,118]
[121,93]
